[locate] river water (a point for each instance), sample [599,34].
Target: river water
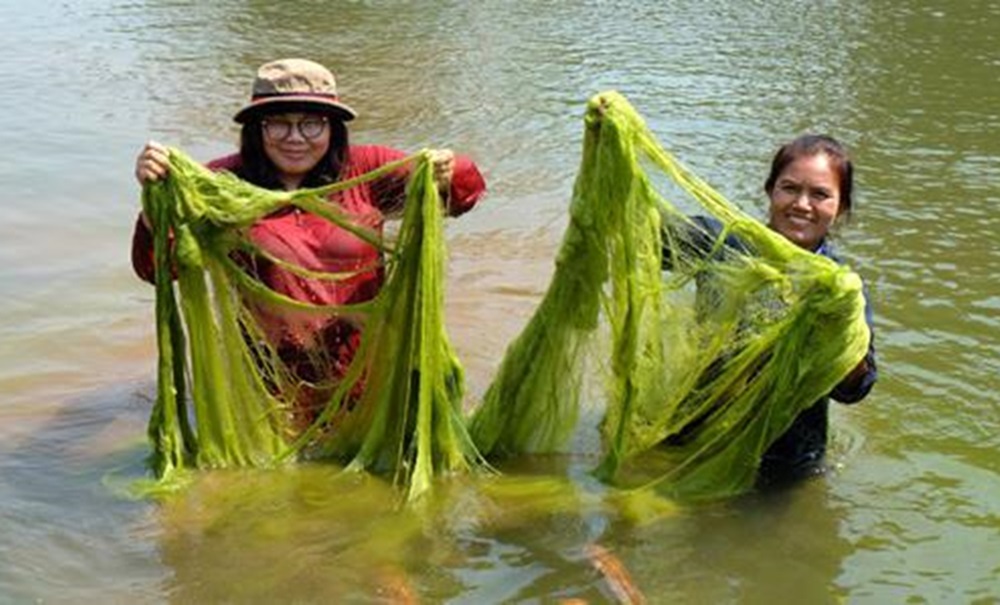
[911,511]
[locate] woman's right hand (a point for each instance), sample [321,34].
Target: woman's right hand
[153,163]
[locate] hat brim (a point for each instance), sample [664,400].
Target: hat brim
[294,103]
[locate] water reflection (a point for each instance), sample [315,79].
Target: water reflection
[64,532]
[290,534]
[301,532]
[758,549]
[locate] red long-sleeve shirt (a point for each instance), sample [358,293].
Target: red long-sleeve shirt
[316,244]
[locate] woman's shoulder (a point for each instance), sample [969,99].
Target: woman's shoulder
[706,230]
[227,162]
[827,249]
[369,157]
[708,224]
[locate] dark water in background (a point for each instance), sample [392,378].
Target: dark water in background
[912,512]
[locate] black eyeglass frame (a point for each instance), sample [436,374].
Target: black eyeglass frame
[311,128]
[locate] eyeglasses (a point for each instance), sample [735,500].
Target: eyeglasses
[279,130]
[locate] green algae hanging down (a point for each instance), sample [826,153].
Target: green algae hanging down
[214,355]
[408,419]
[533,403]
[607,268]
[768,331]
[235,418]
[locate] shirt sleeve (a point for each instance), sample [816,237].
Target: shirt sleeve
[698,238]
[142,251]
[467,184]
[857,389]
[142,237]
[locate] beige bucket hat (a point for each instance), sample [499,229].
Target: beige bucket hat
[297,84]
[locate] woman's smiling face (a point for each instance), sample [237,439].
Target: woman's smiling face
[805,200]
[295,143]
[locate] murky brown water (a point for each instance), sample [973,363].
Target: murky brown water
[910,514]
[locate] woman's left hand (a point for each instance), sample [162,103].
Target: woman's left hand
[443,163]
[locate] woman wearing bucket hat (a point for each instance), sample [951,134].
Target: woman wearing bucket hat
[294,135]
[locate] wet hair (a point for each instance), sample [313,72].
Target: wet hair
[257,168]
[809,145]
